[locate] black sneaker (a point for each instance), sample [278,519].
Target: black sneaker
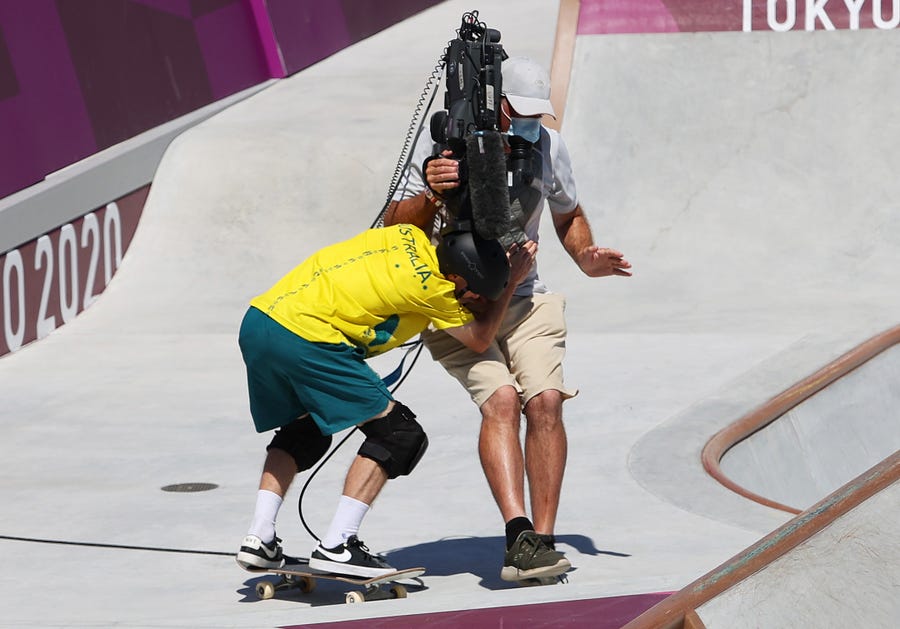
[530,558]
[255,553]
[350,558]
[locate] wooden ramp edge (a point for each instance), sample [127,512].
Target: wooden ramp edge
[761,417]
[679,610]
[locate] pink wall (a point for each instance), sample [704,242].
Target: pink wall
[79,77]
[666,16]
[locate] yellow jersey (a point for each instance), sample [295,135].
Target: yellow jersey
[374,291]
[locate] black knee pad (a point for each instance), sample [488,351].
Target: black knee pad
[395,441]
[303,440]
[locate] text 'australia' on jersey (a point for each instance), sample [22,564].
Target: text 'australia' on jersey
[375,291]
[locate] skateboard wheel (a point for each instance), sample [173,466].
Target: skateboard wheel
[265,590]
[306,584]
[398,591]
[354,597]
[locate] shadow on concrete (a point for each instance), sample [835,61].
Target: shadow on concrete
[480,556]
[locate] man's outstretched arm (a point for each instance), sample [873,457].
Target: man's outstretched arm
[574,233]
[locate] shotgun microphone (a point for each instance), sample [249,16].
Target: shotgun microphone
[488,190]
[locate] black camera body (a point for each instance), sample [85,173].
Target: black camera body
[474,85]
[469,125]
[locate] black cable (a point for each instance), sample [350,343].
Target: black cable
[155,549]
[417,345]
[312,475]
[412,135]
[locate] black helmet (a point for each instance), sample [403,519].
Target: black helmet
[482,263]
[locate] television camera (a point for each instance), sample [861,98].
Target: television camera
[469,126]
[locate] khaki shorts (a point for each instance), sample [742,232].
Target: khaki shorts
[527,353]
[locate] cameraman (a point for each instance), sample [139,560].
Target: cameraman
[522,369]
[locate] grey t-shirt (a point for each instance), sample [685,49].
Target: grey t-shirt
[553,182]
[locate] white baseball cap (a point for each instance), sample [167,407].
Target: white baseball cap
[526,86]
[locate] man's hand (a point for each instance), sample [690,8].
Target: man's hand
[599,262]
[575,234]
[442,173]
[521,259]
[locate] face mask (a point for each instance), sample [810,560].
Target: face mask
[526,128]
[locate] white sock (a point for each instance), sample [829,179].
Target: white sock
[347,518]
[263,525]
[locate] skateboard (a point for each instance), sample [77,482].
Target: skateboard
[297,574]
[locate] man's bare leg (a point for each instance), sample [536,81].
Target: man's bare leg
[365,480]
[545,457]
[500,450]
[278,472]
[503,461]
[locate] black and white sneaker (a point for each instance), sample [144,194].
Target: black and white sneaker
[350,558]
[255,553]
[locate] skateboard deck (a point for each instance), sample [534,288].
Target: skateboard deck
[298,574]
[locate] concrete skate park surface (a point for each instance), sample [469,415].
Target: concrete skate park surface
[748,178]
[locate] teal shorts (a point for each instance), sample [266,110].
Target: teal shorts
[288,376]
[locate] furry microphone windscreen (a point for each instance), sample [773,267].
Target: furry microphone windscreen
[487,184]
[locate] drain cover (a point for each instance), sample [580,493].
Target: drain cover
[190,487]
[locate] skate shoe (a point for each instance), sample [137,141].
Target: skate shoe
[350,558]
[255,553]
[530,558]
